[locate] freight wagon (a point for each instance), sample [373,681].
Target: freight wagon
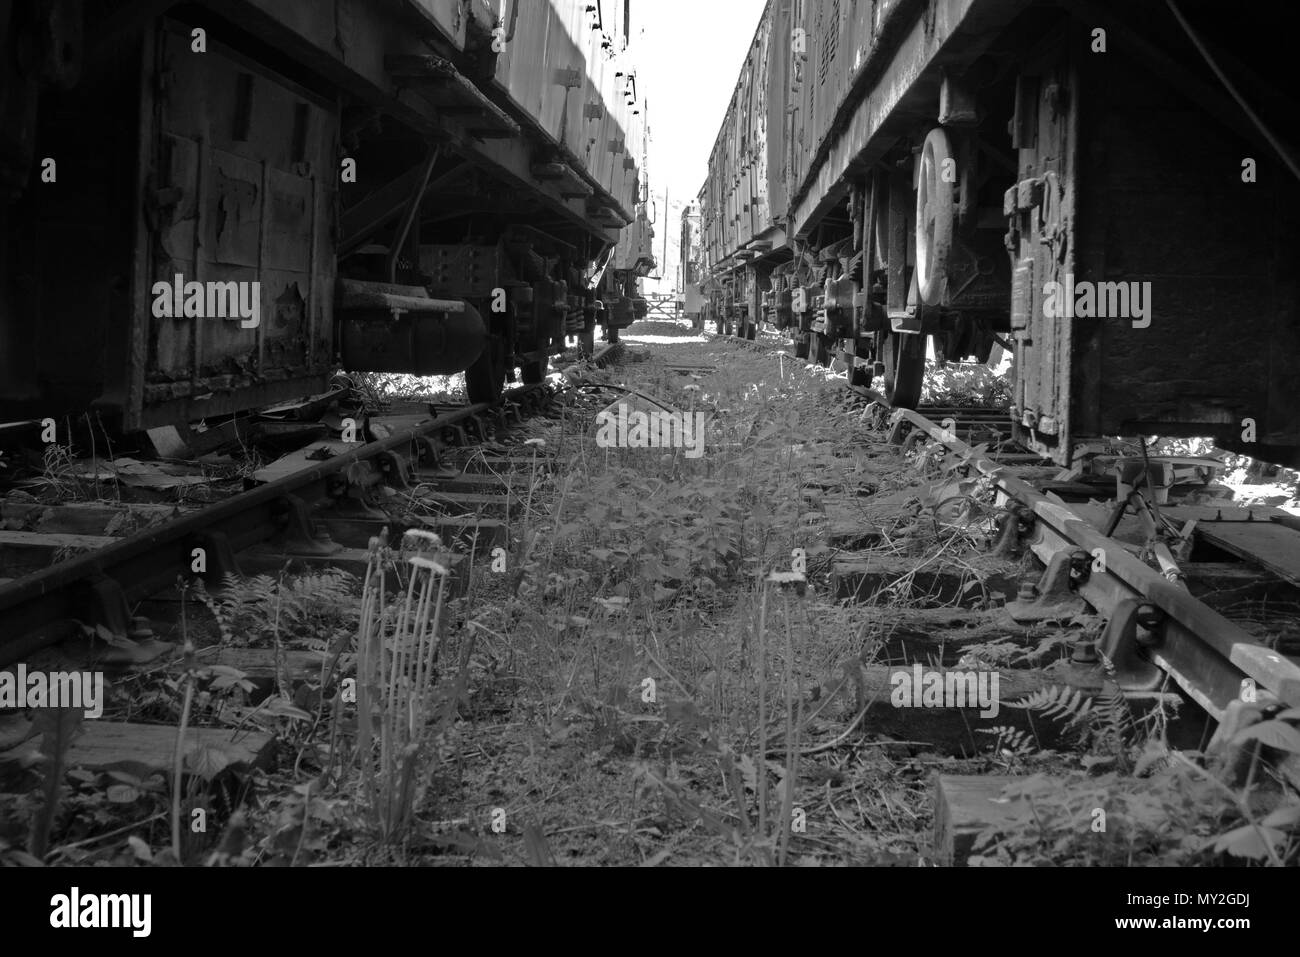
[213,206]
[1107,189]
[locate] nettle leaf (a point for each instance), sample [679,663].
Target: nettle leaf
[1288,815]
[140,849]
[282,708]
[123,794]
[225,682]
[1276,734]
[206,762]
[1249,841]
[225,671]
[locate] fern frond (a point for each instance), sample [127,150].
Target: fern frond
[1020,743]
[1061,704]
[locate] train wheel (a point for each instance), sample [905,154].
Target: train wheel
[935,212]
[483,379]
[820,349]
[904,361]
[534,373]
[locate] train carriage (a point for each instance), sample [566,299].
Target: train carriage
[1103,188]
[423,186]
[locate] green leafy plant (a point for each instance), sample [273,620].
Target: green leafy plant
[1153,804]
[311,611]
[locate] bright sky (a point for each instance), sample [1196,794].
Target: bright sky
[688,55]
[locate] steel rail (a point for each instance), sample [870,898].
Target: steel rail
[1205,653]
[148,562]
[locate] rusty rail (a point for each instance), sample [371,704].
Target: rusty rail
[1206,654]
[98,585]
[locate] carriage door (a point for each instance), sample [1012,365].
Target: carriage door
[1040,211]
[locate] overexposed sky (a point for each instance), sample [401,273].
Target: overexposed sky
[688,55]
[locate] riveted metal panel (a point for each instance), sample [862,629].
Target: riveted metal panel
[557,69]
[245,187]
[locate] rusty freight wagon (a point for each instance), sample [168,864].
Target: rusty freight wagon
[213,206]
[1109,189]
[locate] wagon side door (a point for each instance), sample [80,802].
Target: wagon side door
[1040,211]
[241,202]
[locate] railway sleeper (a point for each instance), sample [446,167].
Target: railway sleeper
[488,464]
[268,560]
[887,578]
[479,535]
[469,503]
[480,483]
[965,805]
[946,711]
[141,750]
[266,669]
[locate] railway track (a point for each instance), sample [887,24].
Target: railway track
[1156,629]
[293,520]
[1159,631]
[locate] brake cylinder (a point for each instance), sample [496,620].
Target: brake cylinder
[419,343]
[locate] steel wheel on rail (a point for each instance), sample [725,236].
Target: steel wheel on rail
[935,213]
[903,357]
[484,379]
[820,349]
[534,373]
